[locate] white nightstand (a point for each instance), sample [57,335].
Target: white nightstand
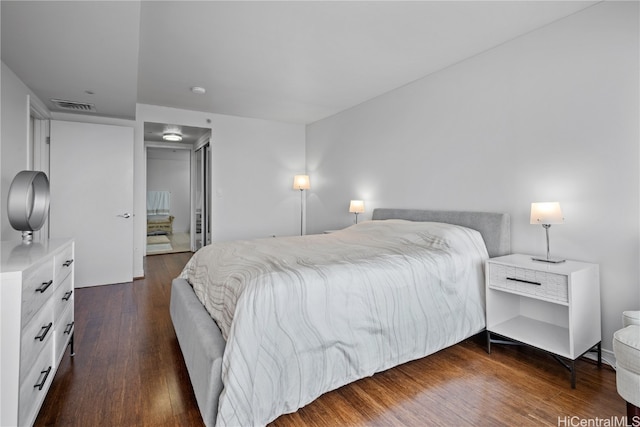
[553,307]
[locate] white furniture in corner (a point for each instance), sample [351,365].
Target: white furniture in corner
[36,323]
[553,307]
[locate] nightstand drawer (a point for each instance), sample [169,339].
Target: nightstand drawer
[519,280]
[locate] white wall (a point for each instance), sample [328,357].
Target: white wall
[14,139]
[550,116]
[254,162]
[169,170]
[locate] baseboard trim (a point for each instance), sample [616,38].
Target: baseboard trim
[608,357]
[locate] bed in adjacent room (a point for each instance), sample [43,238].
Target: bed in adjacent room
[159,224]
[296,317]
[159,218]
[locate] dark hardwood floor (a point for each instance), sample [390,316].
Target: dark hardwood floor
[128,371]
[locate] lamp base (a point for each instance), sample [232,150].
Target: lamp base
[549,260]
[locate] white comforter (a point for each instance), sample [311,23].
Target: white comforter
[305,315]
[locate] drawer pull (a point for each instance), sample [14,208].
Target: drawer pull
[41,384]
[524,281]
[68,329]
[44,286]
[44,331]
[67,263]
[67,295]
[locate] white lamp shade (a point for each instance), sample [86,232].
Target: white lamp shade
[546,213]
[301,182]
[356,206]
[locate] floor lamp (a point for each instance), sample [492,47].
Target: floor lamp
[301,182]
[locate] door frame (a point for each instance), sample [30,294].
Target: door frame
[38,148]
[205,174]
[167,146]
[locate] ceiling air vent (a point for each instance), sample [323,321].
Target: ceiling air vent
[74,106]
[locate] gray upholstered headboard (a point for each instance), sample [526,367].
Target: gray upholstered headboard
[495,228]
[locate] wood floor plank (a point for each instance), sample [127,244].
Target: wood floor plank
[129,371]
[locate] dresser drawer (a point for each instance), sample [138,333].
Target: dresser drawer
[64,330]
[36,289]
[63,264]
[541,284]
[35,386]
[63,297]
[36,337]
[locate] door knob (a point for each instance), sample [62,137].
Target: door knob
[125,215]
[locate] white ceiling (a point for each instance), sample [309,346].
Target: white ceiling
[293,61]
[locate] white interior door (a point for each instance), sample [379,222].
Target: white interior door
[92,198]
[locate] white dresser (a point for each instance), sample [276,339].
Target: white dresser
[36,323]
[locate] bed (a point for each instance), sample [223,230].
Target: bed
[159,218]
[276,345]
[159,224]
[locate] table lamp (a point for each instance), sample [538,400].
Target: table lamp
[356,207]
[546,213]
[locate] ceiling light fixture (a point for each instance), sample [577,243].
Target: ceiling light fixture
[198,90]
[172,136]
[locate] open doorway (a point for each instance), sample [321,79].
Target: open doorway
[174,190]
[168,200]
